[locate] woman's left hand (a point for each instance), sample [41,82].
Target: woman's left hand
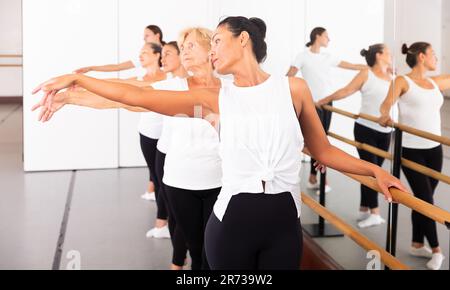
[320,167]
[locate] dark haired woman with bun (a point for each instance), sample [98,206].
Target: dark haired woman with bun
[316,66]
[264,121]
[419,101]
[373,83]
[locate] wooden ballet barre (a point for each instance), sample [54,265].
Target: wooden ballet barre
[353,234]
[10,56]
[433,212]
[10,65]
[405,162]
[404,128]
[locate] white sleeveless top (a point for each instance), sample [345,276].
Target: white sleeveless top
[150,123]
[373,93]
[421,109]
[260,140]
[192,160]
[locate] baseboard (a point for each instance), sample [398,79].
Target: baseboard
[11,100]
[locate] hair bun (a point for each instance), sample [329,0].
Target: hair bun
[364,52]
[260,24]
[405,49]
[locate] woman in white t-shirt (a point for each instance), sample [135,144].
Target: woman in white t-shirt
[315,67]
[152,34]
[256,220]
[419,102]
[373,83]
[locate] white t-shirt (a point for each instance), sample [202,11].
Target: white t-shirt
[316,70]
[151,123]
[192,149]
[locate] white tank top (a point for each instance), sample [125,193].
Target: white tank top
[421,109]
[373,93]
[150,123]
[260,140]
[192,160]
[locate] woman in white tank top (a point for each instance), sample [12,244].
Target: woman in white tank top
[373,83]
[419,101]
[263,120]
[316,68]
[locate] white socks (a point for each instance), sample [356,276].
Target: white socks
[148,196]
[436,259]
[371,221]
[159,233]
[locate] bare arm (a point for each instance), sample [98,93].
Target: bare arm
[165,102]
[351,66]
[317,142]
[443,82]
[107,68]
[292,71]
[91,100]
[132,81]
[396,90]
[354,86]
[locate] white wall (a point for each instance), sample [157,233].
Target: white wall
[59,36]
[418,20]
[10,43]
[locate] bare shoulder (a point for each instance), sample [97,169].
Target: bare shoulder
[297,86]
[300,93]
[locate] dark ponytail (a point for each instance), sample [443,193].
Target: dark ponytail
[371,53]
[318,31]
[413,52]
[255,27]
[156,48]
[156,30]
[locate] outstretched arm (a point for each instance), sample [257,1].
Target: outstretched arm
[107,68]
[79,98]
[351,66]
[318,145]
[354,86]
[165,102]
[443,82]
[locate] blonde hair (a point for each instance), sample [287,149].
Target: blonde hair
[203,36]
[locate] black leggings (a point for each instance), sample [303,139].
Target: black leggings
[148,147]
[258,232]
[176,236]
[363,134]
[192,209]
[423,188]
[325,118]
